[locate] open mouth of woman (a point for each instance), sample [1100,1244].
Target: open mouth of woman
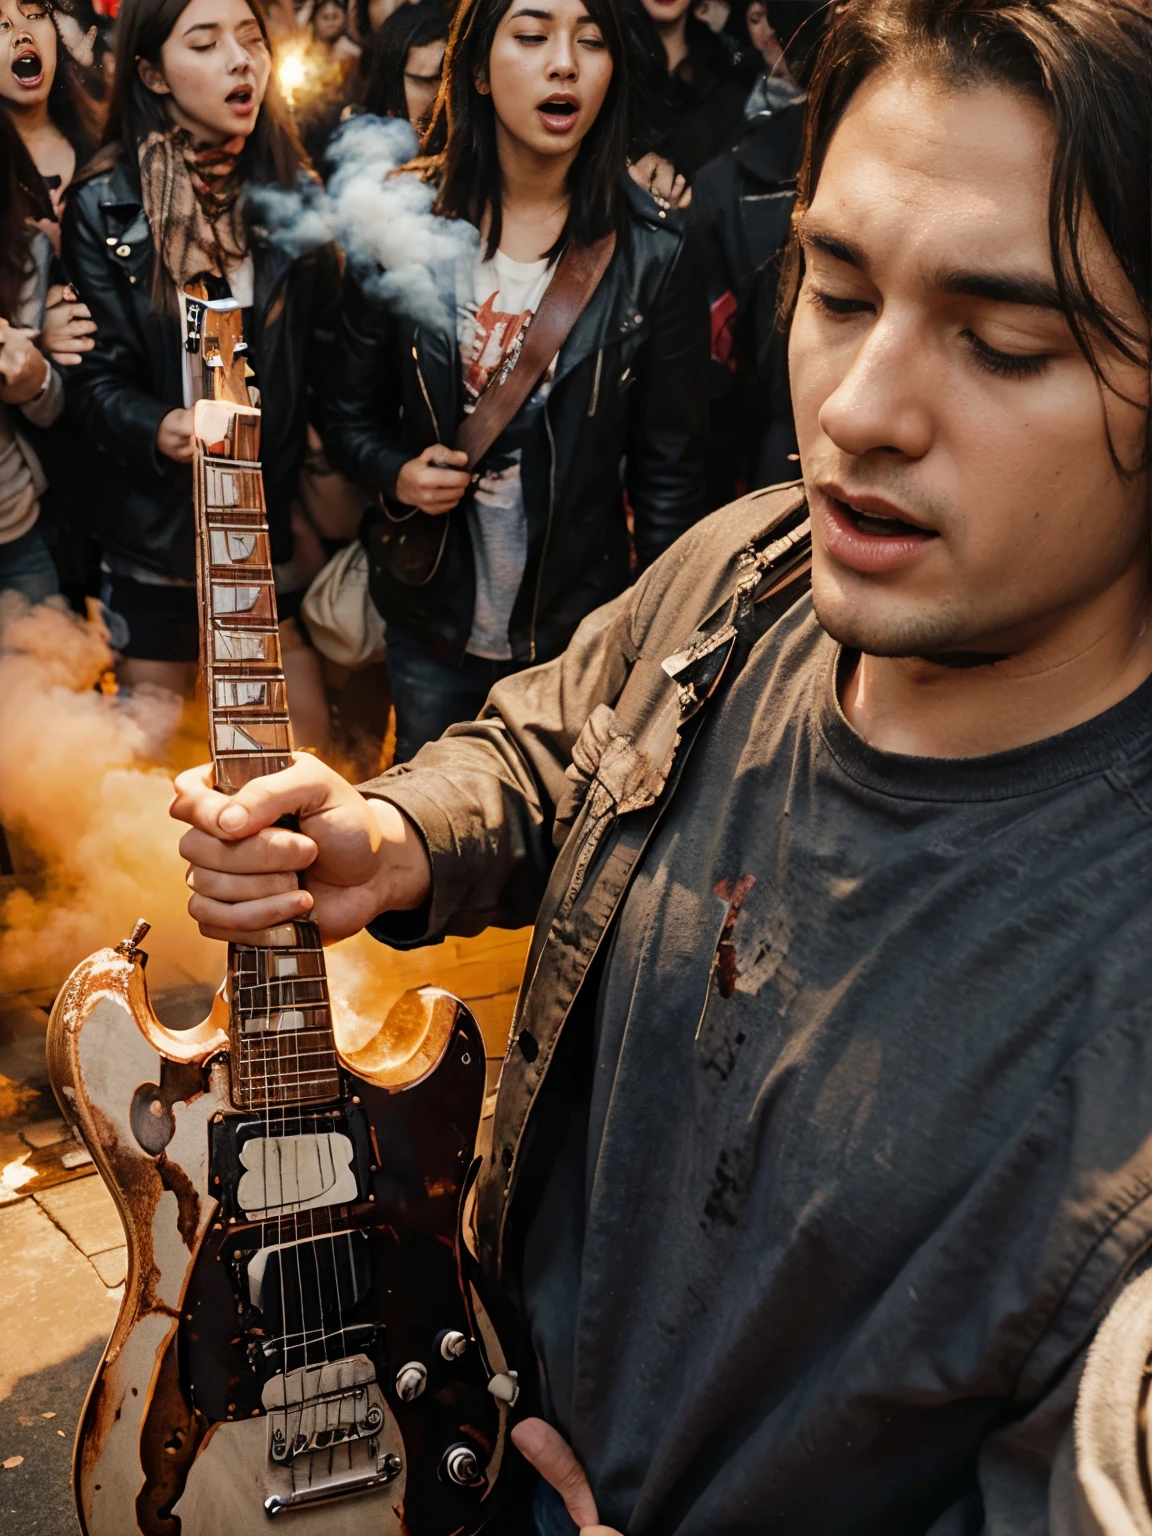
[242,99]
[559,113]
[28,67]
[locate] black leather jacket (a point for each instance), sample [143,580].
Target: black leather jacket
[124,387]
[631,386]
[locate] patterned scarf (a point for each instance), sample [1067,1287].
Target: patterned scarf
[193,204]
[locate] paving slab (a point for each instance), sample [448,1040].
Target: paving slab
[85,1211]
[45,1133]
[112,1267]
[36,1496]
[53,1304]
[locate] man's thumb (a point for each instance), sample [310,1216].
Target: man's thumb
[556,1463]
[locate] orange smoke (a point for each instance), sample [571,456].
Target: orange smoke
[83,793]
[85,785]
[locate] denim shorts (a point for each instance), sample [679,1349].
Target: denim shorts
[27,567]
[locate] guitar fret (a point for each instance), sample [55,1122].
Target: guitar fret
[282,1048]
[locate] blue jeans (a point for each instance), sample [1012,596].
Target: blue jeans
[430,694]
[27,567]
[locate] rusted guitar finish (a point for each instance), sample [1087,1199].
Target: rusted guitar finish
[299,1337]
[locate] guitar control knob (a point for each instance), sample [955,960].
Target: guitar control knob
[452,1344]
[411,1379]
[462,1466]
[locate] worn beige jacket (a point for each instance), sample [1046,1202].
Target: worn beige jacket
[538,811]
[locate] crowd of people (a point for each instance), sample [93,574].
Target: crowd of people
[136,145]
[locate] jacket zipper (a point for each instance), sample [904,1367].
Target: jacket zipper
[596,382]
[547,533]
[424,387]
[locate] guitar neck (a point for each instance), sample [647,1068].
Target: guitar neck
[282,1046]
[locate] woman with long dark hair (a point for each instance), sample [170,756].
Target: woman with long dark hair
[529,146]
[700,111]
[195,123]
[408,63]
[31,393]
[41,90]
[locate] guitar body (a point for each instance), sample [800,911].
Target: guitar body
[179,1432]
[300,1335]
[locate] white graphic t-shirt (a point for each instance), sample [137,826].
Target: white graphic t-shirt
[505,296]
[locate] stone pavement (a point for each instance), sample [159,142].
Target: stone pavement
[62,1261]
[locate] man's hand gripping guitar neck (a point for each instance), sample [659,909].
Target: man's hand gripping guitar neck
[351,859]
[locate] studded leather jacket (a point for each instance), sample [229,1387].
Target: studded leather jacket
[141,503]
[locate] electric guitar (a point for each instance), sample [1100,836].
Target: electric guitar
[300,1334]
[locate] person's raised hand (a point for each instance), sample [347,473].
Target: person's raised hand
[357,857]
[554,1459]
[24,369]
[68,327]
[174,436]
[435,481]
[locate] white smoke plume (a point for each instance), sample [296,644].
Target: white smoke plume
[403,253]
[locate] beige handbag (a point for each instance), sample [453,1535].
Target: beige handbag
[338,609]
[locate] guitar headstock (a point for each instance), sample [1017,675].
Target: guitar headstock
[226,421]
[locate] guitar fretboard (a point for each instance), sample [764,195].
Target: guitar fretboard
[282,1048]
[247,700]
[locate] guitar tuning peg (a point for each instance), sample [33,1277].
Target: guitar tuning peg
[129,947]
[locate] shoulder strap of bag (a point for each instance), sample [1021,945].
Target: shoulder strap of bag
[573,283]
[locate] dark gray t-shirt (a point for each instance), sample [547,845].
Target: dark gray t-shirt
[866,1146]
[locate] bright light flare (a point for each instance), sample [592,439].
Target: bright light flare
[293,71]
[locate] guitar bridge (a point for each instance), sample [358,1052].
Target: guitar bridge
[329,1434]
[318,1407]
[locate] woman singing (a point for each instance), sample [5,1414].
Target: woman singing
[533,132]
[194,123]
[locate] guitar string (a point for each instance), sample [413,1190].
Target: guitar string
[272,1085]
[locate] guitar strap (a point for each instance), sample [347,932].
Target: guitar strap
[573,283]
[409,544]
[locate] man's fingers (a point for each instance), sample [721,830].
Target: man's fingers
[231,920]
[273,851]
[556,1463]
[292,791]
[239,888]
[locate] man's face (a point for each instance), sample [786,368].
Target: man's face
[954,440]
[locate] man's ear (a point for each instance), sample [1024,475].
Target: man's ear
[152,78]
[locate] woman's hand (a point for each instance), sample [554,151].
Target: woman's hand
[68,327]
[713,13]
[24,369]
[660,180]
[362,856]
[435,481]
[174,438]
[540,1445]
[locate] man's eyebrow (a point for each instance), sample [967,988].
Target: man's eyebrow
[1026,288]
[832,245]
[1002,287]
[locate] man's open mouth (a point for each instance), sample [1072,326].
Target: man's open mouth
[877,525]
[28,67]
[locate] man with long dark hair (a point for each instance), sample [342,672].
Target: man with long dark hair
[824,1138]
